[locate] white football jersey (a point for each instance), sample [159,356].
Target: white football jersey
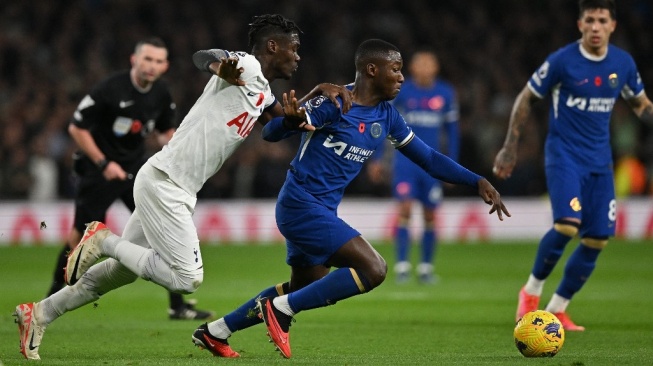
[216,125]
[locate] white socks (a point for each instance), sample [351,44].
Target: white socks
[101,278]
[281,303]
[558,304]
[219,329]
[534,286]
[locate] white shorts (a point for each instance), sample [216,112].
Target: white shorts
[163,218]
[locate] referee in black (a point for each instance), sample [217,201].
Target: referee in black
[110,126]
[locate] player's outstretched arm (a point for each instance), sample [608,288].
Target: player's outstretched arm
[331,91]
[293,121]
[506,159]
[642,107]
[218,62]
[444,168]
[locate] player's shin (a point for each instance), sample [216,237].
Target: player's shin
[579,267]
[337,285]
[246,315]
[549,252]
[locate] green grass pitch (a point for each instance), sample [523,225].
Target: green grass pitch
[465,319]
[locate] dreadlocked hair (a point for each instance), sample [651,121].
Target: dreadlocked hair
[268,24]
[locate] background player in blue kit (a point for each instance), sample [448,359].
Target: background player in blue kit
[584,78]
[429,105]
[330,156]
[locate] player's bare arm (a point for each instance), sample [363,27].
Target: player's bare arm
[328,90]
[642,107]
[331,91]
[506,159]
[492,197]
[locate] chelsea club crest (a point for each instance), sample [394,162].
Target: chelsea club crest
[375,130]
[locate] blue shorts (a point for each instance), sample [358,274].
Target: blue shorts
[313,233]
[583,195]
[412,182]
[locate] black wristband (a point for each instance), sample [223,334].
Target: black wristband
[102,164]
[292,123]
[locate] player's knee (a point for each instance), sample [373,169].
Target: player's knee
[567,228]
[377,273]
[595,243]
[188,283]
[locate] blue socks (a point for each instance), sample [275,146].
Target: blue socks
[337,285]
[246,315]
[548,253]
[428,246]
[579,267]
[402,238]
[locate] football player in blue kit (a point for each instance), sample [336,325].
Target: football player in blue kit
[330,155]
[429,106]
[584,78]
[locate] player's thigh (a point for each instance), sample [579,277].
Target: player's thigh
[599,206]
[94,197]
[358,253]
[165,214]
[564,186]
[133,231]
[313,233]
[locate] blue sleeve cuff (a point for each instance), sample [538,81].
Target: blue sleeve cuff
[274,131]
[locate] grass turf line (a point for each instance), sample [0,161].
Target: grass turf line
[465,319]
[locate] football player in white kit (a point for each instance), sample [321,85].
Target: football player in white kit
[160,241]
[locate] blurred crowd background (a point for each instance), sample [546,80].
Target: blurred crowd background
[52,52]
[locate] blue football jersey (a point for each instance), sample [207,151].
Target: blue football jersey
[584,89]
[330,157]
[427,110]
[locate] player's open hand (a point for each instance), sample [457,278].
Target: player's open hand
[331,91]
[493,198]
[230,72]
[295,118]
[504,163]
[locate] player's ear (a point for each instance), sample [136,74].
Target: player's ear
[272,45]
[371,69]
[132,59]
[165,66]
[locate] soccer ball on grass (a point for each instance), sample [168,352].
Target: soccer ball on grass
[539,333]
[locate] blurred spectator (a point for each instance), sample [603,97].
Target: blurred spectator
[43,171]
[52,52]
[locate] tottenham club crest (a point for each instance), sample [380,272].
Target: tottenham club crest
[376,130]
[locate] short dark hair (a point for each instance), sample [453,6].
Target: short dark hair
[597,4]
[263,26]
[153,41]
[372,50]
